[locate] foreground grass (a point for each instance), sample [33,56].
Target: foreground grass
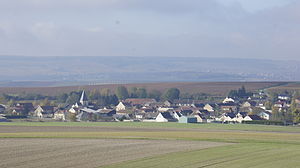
[234,156]
[241,127]
[253,145]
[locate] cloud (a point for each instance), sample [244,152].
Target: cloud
[204,28]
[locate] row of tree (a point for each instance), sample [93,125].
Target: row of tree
[170,94]
[240,93]
[103,97]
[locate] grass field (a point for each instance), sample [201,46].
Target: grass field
[250,145]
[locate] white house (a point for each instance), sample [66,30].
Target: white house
[240,117]
[284,97]
[265,115]
[176,115]
[209,107]
[252,118]
[165,117]
[60,115]
[228,100]
[228,117]
[164,109]
[2,108]
[44,112]
[122,106]
[200,118]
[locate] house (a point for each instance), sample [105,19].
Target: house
[248,104]
[284,97]
[27,106]
[210,107]
[60,115]
[228,117]
[150,116]
[165,117]
[74,110]
[140,102]
[168,103]
[265,115]
[228,107]
[240,117]
[147,110]
[17,111]
[107,112]
[165,109]
[3,119]
[22,108]
[44,112]
[123,106]
[87,114]
[252,118]
[2,109]
[297,100]
[184,102]
[139,115]
[187,119]
[228,100]
[176,115]
[200,118]
[186,112]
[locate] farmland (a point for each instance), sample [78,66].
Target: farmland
[212,88]
[149,145]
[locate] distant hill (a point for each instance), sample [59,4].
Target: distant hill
[61,71]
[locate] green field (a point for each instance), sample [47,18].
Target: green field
[251,145]
[242,127]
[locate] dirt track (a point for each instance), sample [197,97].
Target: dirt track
[87,153]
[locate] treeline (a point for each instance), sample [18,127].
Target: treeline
[103,97]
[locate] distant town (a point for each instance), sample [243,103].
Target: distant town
[139,105]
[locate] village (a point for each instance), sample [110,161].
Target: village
[254,109]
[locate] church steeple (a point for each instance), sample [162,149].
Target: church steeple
[83,99]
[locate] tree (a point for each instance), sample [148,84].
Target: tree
[276,116]
[141,93]
[155,94]
[233,94]
[171,94]
[105,92]
[73,97]
[268,105]
[296,116]
[242,92]
[133,92]
[62,98]
[122,93]
[73,117]
[273,97]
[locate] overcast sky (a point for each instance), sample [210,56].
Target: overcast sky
[200,28]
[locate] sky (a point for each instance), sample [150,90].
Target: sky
[268,29]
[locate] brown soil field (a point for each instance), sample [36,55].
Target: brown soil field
[213,88]
[288,87]
[87,153]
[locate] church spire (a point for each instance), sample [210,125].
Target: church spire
[83,99]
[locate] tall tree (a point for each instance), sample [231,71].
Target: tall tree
[122,93]
[133,92]
[171,94]
[155,94]
[141,93]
